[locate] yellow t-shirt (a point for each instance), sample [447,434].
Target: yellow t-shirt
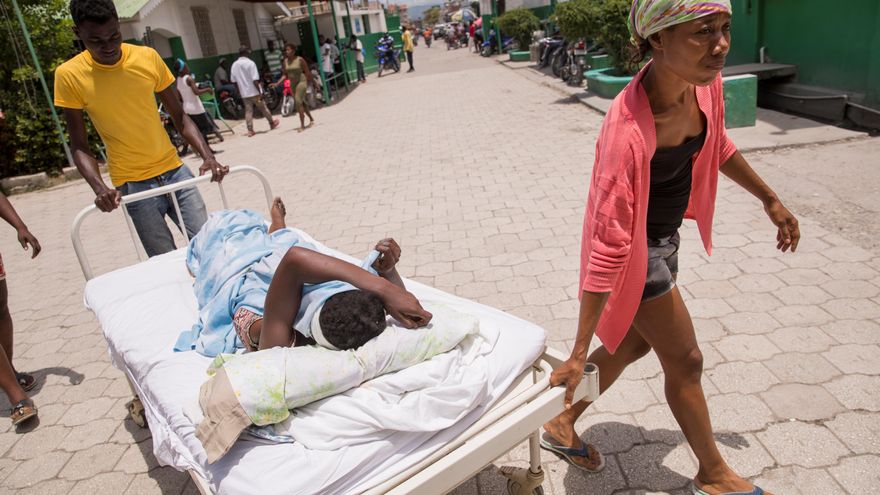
[121,101]
[407,41]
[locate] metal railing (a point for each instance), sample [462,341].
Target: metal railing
[75,238]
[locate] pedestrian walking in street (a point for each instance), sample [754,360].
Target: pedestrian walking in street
[117,83]
[661,147]
[408,47]
[296,70]
[192,103]
[14,384]
[246,77]
[357,47]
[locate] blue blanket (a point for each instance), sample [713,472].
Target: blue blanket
[233,258]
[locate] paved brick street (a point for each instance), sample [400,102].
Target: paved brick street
[481,174]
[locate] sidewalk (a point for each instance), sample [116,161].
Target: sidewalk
[772,129]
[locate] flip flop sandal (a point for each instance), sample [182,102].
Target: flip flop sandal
[756,490]
[566,453]
[22,412]
[27,382]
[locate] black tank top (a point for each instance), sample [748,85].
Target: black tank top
[671,186]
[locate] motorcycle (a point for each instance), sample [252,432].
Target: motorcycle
[177,140]
[271,95]
[288,105]
[547,48]
[230,106]
[490,46]
[572,71]
[452,42]
[387,56]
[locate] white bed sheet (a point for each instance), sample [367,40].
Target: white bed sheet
[143,308]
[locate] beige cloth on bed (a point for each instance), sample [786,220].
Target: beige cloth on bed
[225,419]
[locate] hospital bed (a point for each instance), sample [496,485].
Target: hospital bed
[143,307]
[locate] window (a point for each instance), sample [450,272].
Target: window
[204,32]
[241,27]
[367,29]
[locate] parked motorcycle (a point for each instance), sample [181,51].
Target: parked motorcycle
[576,63]
[230,106]
[490,46]
[547,49]
[176,138]
[387,56]
[271,95]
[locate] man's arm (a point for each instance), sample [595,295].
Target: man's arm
[187,128]
[303,266]
[106,198]
[195,88]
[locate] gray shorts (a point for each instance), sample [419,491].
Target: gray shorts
[662,266]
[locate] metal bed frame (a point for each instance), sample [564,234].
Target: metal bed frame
[518,416]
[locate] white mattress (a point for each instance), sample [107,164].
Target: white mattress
[142,310]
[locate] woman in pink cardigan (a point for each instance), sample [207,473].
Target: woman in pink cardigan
[658,156]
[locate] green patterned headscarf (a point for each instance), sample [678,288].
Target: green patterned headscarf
[652,16]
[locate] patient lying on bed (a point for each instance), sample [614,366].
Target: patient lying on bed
[259,288]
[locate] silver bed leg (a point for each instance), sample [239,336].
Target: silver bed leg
[522,481]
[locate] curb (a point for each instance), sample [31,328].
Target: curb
[27,183]
[584,97]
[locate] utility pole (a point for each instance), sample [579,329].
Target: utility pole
[27,38]
[324,89]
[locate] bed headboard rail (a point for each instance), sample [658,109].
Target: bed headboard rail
[159,191]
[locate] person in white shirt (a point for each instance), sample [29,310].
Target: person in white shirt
[245,76]
[192,103]
[327,57]
[358,48]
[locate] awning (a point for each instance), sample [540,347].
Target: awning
[126,9]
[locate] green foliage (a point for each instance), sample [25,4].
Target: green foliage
[578,19]
[431,16]
[519,23]
[613,33]
[29,140]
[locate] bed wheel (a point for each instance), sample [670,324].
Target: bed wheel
[523,481]
[514,488]
[136,412]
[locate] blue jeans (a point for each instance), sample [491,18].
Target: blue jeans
[148,215]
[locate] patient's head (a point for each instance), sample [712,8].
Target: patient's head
[350,319]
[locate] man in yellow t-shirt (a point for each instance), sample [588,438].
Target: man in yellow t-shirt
[116,84]
[408,47]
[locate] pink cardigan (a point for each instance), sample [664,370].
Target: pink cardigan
[614,250]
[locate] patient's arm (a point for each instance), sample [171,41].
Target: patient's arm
[386,264]
[303,266]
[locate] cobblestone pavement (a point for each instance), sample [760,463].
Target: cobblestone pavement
[481,175]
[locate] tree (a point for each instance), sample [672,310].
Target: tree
[431,16]
[29,140]
[519,23]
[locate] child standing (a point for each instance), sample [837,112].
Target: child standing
[14,384]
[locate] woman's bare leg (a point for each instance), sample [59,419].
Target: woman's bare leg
[610,366]
[665,324]
[8,381]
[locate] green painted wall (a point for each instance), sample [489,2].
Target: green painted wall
[835,48]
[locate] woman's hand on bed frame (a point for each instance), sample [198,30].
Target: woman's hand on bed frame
[303,266]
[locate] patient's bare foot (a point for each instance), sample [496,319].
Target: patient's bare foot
[277,214]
